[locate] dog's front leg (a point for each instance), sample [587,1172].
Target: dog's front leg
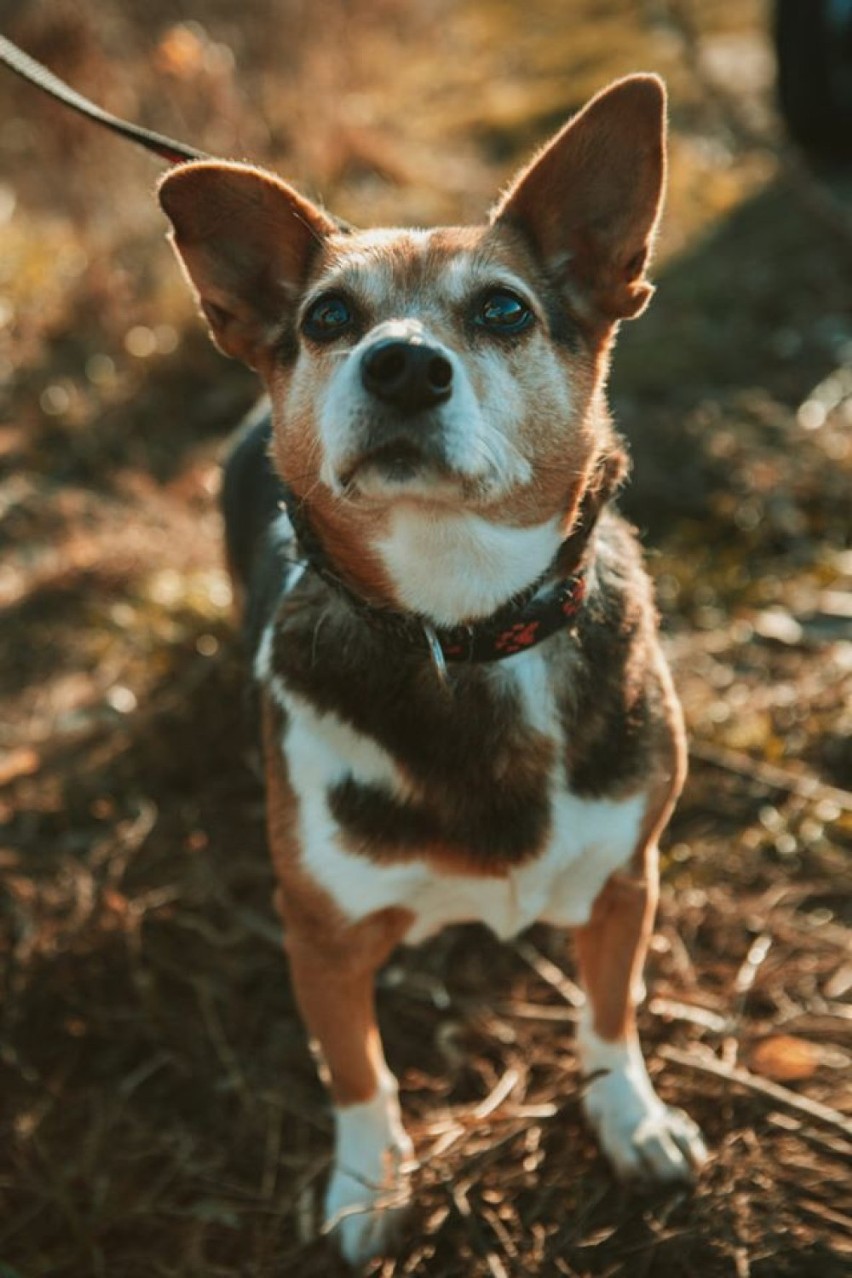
[333,966]
[334,984]
[643,1138]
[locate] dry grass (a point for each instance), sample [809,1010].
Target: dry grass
[161,1113]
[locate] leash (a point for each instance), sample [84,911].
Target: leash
[34,73]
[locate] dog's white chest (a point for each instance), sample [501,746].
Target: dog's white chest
[588,839]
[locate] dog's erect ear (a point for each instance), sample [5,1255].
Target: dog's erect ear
[589,202]
[246,240]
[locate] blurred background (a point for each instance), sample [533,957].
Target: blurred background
[161,1114]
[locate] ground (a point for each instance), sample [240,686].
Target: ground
[161,1110]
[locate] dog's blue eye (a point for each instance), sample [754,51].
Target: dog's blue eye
[327,318]
[503,313]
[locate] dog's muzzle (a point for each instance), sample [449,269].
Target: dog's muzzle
[406,381]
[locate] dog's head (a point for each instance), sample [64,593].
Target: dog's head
[437,387]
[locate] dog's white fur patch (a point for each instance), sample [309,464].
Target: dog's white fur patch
[589,839]
[328,749]
[453,567]
[643,1138]
[368,1190]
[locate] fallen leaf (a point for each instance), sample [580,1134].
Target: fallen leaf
[20,763]
[785,1059]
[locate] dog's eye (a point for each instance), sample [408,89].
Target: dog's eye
[503,312]
[327,318]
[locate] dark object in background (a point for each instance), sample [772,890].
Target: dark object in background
[813,42]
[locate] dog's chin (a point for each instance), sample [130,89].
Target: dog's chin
[401,472]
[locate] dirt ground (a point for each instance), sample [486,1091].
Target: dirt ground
[160,1109]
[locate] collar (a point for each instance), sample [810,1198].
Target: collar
[549,604]
[540,611]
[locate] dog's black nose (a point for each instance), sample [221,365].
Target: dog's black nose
[407,375]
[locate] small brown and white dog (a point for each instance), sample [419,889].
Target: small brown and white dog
[466,714]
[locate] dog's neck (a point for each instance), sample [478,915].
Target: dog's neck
[549,603]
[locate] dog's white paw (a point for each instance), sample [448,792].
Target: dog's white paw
[650,1143]
[369,1191]
[642,1138]
[366,1220]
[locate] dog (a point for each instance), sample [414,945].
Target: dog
[465,711]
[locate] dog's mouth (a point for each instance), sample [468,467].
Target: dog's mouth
[399,465]
[397,461]
[415,462]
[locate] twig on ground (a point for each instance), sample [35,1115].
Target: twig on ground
[227,1056]
[780,1096]
[743,982]
[551,974]
[498,1094]
[769,774]
[669,1009]
[460,1201]
[751,964]
[828,1144]
[813,1207]
[522,1011]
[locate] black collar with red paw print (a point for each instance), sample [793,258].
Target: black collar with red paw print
[520,624]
